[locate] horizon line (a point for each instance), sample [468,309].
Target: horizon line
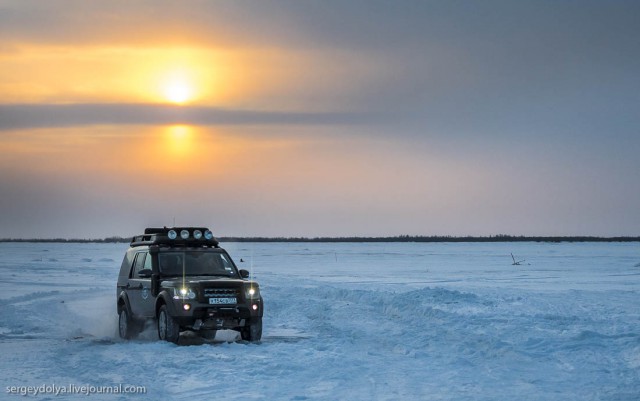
[346,239]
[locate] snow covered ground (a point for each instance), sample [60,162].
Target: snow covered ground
[399,321]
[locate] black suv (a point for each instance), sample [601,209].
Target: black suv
[181,278]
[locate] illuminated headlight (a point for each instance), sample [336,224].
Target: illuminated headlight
[183,293]
[208,235]
[197,234]
[253,292]
[172,234]
[184,234]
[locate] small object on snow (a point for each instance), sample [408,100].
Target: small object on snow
[514,261]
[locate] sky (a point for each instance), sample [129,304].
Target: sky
[320,118]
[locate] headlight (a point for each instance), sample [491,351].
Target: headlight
[252,292]
[172,234]
[183,293]
[184,234]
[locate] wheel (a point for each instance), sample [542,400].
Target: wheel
[168,329]
[127,327]
[252,332]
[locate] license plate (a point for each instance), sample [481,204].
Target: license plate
[223,301]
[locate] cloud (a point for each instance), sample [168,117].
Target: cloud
[549,25]
[542,59]
[26,116]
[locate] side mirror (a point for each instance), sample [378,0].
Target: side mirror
[144,273]
[244,273]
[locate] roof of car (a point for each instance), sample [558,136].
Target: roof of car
[176,236]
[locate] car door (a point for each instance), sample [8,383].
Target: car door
[140,298]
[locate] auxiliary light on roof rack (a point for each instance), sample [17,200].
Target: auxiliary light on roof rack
[184,236]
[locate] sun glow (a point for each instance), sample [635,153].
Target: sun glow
[178,75]
[178,92]
[182,81]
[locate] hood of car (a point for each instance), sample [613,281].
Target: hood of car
[204,281]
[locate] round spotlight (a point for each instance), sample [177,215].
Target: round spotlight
[197,234]
[184,234]
[255,307]
[208,235]
[186,306]
[172,234]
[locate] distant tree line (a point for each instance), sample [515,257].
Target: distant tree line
[108,240]
[434,238]
[400,238]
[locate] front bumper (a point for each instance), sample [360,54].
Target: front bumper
[214,317]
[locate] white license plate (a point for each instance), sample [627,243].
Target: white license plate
[223,301]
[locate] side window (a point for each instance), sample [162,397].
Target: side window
[147,262]
[138,264]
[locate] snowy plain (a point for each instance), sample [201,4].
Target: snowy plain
[344,321]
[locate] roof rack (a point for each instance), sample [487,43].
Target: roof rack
[176,236]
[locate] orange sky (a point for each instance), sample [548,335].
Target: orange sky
[256,78]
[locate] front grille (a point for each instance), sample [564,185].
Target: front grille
[221,292]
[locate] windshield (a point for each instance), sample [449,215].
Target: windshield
[196,263]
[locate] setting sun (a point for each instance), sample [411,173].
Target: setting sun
[178,92]
[181,81]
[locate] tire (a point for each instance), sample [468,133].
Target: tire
[127,327]
[252,332]
[168,329]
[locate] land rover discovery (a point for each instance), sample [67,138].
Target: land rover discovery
[181,279]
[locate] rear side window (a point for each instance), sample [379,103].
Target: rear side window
[127,265]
